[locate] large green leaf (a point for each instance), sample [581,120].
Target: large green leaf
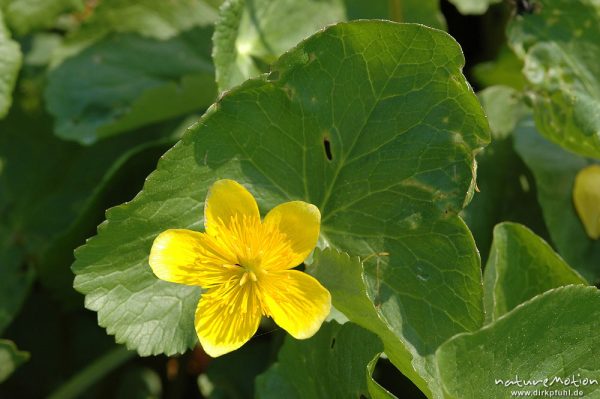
[381,138]
[555,169]
[10,358]
[553,335]
[126,81]
[251,34]
[10,63]
[26,15]
[521,266]
[559,44]
[334,363]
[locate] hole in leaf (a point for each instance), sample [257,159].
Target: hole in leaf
[327,145]
[332,343]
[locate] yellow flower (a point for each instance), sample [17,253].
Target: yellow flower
[244,266]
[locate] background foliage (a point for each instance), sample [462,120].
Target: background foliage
[442,154]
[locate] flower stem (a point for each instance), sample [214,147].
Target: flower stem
[93,373]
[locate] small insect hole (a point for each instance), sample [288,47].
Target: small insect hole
[327,145]
[332,343]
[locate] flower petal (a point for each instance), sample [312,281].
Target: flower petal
[227,317]
[226,199]
[296,301]
[300,222]
[187,257]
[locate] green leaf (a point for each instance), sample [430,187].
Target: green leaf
[26,15]
[559,45]
[476,7]
[320,367]
[250,35]
[10,63]
[426,12]
[554,170]
[264,29]
[10,358]
[553,335]
[504,108]
[402,125]
[80,181]
[505,70]
[150,18]
[344,277]
[506,189]
[126,81]
[521,266]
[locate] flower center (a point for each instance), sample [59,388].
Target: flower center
[248,273]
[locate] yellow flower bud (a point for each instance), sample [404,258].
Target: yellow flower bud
[586,196]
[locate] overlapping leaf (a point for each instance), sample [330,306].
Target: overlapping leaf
[150,18]
[127,81]
[250,35]
[559,44]
[381,138]
[342,275]
[521,266]
[264,29]
[555,169]
[325,361]
[553,335]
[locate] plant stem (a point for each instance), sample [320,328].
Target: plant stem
[92,373]
[396,10]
